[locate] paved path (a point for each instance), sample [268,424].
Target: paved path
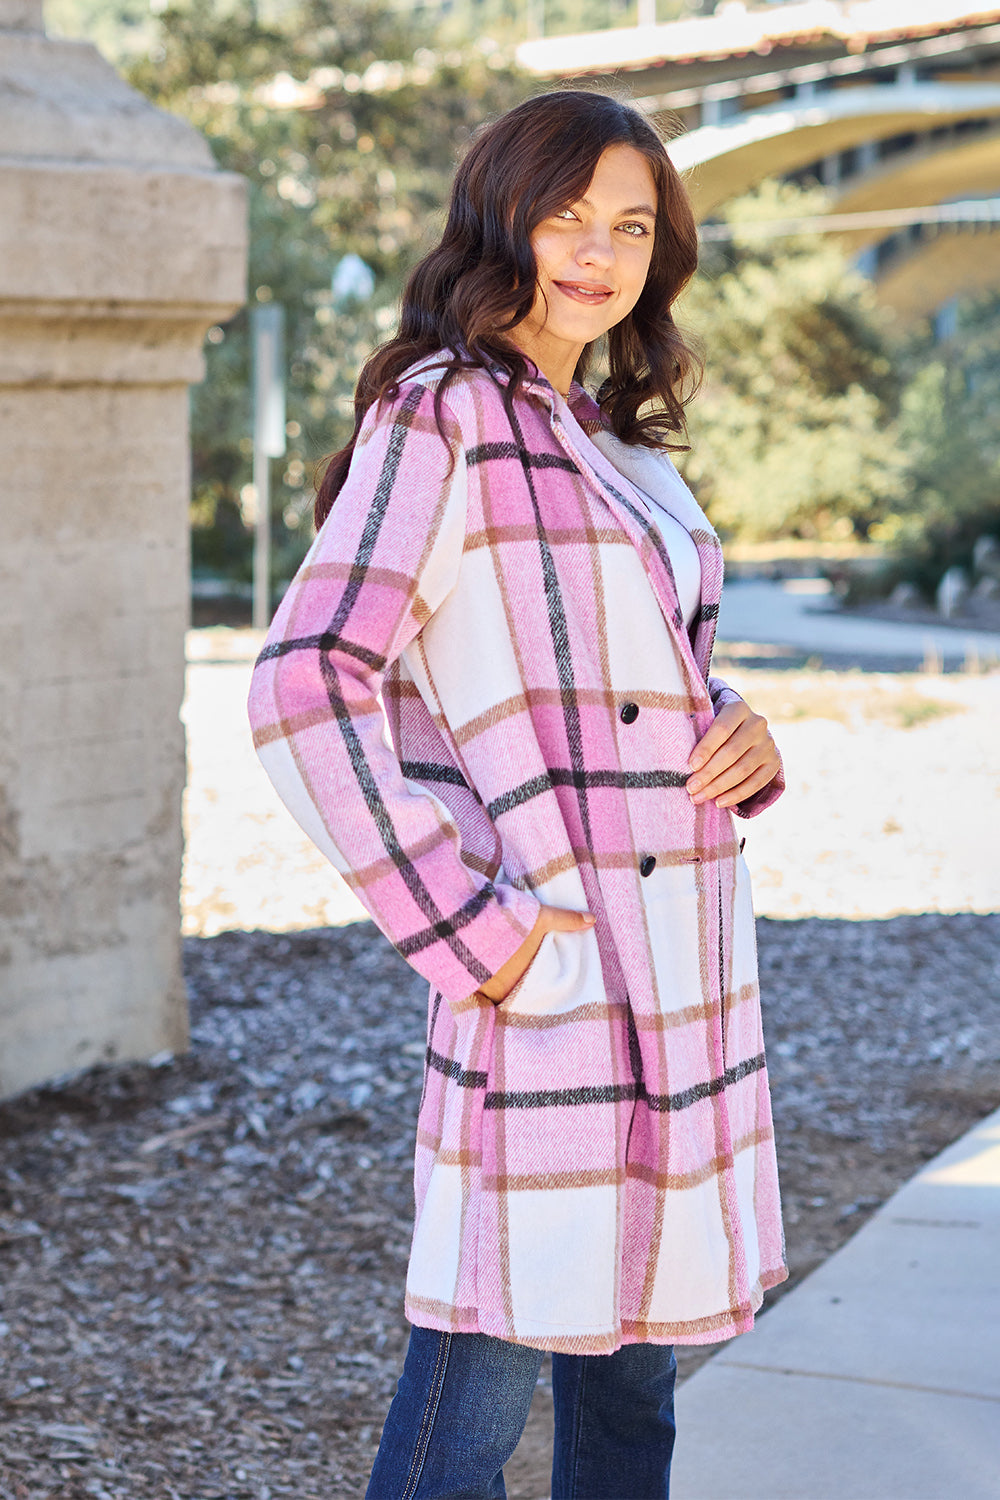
[801,613]
[879,1377]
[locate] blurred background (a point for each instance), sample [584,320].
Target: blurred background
[209,1060]
[844,160]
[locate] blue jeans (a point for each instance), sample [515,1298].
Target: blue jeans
[462,1402]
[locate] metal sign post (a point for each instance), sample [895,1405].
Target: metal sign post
[267,322]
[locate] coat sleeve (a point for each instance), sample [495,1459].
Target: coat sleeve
[721,693]
[383,562]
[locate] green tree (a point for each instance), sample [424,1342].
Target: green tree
[794,432]
[347,125]
[950,436]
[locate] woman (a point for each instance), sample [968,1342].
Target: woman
[515,577]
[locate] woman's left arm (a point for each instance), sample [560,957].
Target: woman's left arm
[736,762]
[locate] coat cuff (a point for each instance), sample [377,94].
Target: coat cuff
[764,798]
[467,951]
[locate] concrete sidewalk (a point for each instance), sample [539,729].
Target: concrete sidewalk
[879,1377]
[801,613]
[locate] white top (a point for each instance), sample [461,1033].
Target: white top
[684,561]
[631,461]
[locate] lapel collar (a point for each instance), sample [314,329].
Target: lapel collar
[652,473]
[615,469]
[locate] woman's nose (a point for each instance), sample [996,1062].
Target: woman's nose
[595,247]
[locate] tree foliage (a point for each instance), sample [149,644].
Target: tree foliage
[822,418]
[794,432]
[951,440]
[817,418]
[347,125]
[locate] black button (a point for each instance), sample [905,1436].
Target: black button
[743,844]
[630,712]
[648,865]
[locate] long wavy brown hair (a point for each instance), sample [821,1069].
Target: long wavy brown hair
[473,290]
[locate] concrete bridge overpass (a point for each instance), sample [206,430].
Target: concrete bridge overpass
[890,105]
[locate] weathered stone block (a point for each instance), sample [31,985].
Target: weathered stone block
[120,243]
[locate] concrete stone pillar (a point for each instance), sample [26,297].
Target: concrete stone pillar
[120,243]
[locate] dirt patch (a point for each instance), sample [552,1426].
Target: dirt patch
[895,701]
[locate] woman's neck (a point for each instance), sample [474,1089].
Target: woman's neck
[556,361]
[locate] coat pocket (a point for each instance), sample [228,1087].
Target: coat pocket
[564,973]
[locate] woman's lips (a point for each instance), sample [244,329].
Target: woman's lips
[590,294]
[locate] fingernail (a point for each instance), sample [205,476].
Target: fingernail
[696,761]
[694,785]
[589,918]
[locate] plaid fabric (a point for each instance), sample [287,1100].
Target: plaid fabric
[595,1160]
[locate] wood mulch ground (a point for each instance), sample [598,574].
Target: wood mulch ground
[202,1259]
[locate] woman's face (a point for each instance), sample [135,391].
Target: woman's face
[592,257]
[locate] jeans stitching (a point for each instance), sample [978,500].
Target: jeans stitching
[581,1396]
[428,1418]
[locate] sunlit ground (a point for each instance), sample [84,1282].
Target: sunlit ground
[893,800]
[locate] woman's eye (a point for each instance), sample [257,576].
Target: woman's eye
[564,213]
[636,231]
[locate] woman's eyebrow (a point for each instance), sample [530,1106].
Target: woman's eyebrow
[638,208]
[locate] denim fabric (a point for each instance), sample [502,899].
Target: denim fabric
[462,1402]
[614,1424]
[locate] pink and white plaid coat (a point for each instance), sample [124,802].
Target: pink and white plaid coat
[478,695]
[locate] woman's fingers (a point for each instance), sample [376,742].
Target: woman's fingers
[561,919]
[755,783]
[743,742]
[727,721]
[740,790]
[740,780]
[549,919]
[734,758]
[733,774]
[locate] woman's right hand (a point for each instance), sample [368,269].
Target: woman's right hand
[549,919]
